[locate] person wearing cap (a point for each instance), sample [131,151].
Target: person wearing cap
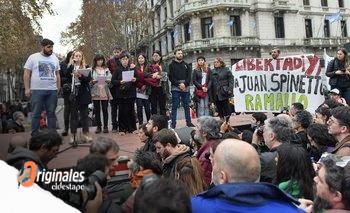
[339,73]
[335,95]
[202,82]
[42,82]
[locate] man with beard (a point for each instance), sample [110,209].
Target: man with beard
[332,186]
[275,53]
[208,130]
[170,151]
[236,173]
[180,78]
[42,83]
[154,125]
[339,127]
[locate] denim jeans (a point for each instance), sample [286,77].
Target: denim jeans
[185,98]
[203,107]
[43,100]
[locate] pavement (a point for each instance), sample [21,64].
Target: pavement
[128,143]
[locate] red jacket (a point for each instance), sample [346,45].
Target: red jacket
[204,161]
[153,68]
[141,78]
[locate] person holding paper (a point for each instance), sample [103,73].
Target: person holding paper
[126,95]
[101,79]
[142,88]
[82,96]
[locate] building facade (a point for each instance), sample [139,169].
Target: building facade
[236,29]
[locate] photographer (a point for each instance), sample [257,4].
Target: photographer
[277,130]
[100,203]
[339,74]
[66,80]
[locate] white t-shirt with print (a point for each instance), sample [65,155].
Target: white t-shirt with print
[43,71]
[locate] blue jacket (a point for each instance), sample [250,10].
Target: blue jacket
[244,197]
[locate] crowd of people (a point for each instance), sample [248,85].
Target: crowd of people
[14,117]
[294,161]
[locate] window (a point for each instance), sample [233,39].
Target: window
[235,25]
[308,28]
[207,27]
[165,14]
[158,17]
[279,27]
[186,32]
[324,3]
[152,3]
[326,29]
[154,47]
[160,45]
[172,40]
[171,8]
[341,3]
[306,2]
[344,30]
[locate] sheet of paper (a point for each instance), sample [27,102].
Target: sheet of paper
[84,72]
[141,95]
[127,76]
[101,79]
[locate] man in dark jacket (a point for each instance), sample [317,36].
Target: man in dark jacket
[180,78]
[236,175]
[277,130]
[42,149]
[154,125]
[114,64]
[170,151]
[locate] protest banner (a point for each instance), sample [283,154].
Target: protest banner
[271,85]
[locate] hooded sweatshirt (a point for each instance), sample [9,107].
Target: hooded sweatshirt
[21,155]
[181,152]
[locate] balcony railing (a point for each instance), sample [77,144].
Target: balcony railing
[221,42]
[210,4]
[326,41]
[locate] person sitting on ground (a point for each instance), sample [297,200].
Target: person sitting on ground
[189,172]
[142,165]
[277,130]
[170,151]
[339,127]
[301,121]
[332,186]
[142,133]
[321,141]
[163,195]
[258,119]
[246,136]
[17,141]
[109,148]
[208,129]
[17,124]
[295,172]
[42,149]
[154,125]
[236,176]
[334,94]
[322,114]
[195,143]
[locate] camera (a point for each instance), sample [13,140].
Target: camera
[89,186]
[260,131]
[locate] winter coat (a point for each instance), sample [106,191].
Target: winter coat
[83,96]
[222,84]
[339,81]
[126,90]
[343,147]
[204,161]
[197,79]
[21,155]
[244,197]
[169,164]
